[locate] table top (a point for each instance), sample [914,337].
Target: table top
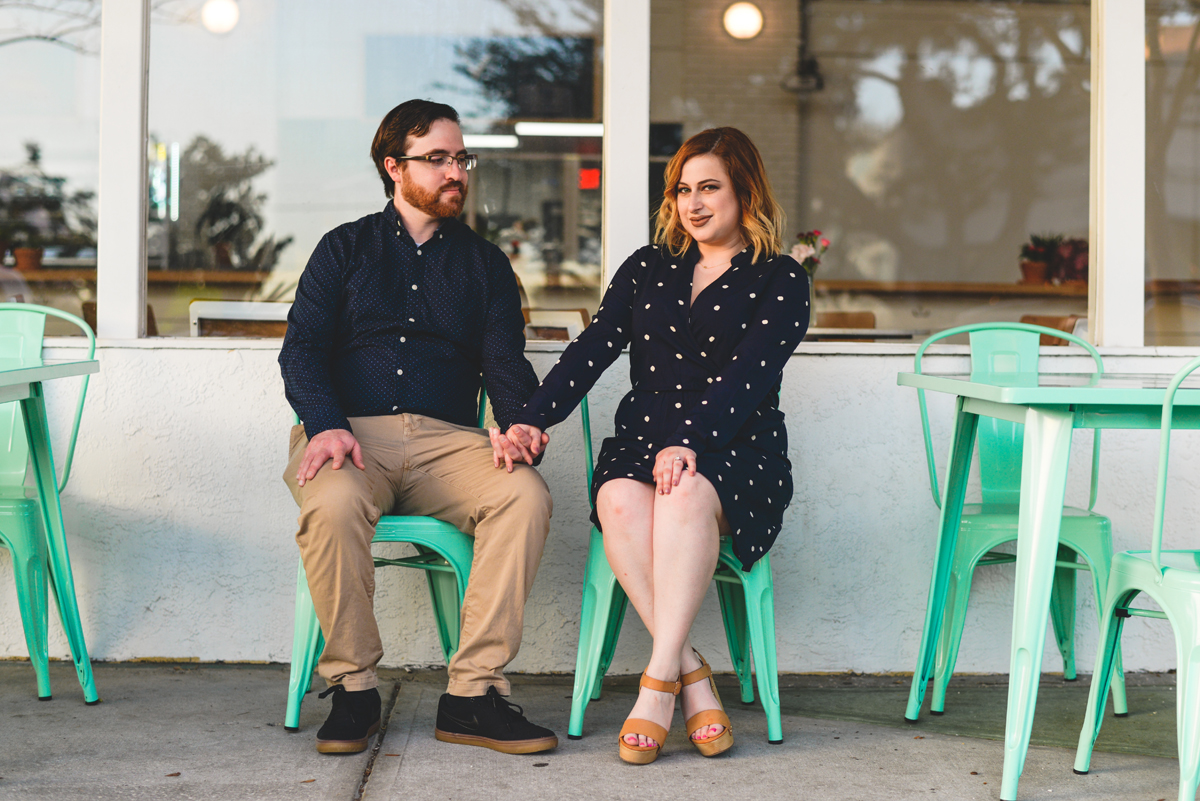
[1036,389]
[48,371]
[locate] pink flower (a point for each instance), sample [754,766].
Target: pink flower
[801,251]
[824,242]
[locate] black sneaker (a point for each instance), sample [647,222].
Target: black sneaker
[351,722]
[492,722]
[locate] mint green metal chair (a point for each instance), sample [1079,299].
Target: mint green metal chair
[1009,348]
[747,607]
[1172,580]
[22,529]
[443,552]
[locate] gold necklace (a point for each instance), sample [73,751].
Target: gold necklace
[714,266]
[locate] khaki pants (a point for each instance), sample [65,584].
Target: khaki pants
[418,465]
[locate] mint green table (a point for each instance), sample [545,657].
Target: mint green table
[1050,406]
[25,385]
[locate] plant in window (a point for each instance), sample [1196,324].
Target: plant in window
[1070,264]
[1036,257]
[809,249]
[221,223]
[37,211]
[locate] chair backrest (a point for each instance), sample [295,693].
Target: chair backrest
[1001,349]
[22,328]
[1164,453]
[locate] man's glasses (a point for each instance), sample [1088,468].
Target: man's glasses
[441,161]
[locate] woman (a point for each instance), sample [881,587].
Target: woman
[711,314]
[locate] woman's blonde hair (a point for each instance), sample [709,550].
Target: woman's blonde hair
[762,217]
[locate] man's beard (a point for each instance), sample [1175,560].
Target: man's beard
[432,203]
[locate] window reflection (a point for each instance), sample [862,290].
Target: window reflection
[1172,174]
[261,139]
[927,139]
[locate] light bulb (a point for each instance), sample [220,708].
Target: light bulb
[219,16]
[742,20]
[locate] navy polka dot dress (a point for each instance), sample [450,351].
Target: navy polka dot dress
[705,377]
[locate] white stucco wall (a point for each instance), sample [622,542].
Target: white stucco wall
[181,530]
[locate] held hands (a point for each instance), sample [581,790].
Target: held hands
[669,466]
[521,444]
[334,444]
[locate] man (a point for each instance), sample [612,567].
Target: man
[395,318]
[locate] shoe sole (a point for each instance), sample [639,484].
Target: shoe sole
[637,756]
[347,746]
[503,746]
[718,745]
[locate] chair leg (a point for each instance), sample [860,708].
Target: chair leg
[1187,702]
[733,613]
[760,620]
[603,605]
[1101,566]
[1110,638]
[307,644]
[29,571]
[954,618]
[616,617]
[1062,611]
[446,599]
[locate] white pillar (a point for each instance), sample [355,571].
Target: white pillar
[121,238]
[626,185]
[1118,173]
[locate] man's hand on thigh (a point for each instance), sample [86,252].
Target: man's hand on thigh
[333,444]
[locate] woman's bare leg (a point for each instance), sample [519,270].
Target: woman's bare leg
[685,534]
[626,512]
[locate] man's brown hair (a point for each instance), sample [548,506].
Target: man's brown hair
[410,118]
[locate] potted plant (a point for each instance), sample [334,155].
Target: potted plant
[27,249]
[1036,257]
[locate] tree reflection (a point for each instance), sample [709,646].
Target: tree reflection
[947,132]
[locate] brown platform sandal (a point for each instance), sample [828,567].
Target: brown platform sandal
[709,717]
[639,754]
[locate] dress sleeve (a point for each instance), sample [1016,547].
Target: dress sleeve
[507,374]
[590,354]
[312,327]
[778,324]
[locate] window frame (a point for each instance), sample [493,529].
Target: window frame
[1116,194]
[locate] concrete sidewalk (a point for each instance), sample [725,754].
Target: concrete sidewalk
[216,732]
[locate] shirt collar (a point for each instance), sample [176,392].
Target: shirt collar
[446,227]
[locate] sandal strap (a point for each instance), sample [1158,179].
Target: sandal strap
[651,683]
[646,728]
[699,674]
[709,717]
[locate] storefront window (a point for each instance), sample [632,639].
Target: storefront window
[1172,174]
[260,139]
[49,156]
[928,140]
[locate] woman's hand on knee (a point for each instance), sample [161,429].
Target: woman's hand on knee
[669,466]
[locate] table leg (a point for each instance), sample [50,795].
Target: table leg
[37,430]
[1047,449]
[965,426]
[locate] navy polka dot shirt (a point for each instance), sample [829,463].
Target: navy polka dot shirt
[382,325]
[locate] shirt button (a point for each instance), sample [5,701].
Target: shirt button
[414,286]
[418,251]
[399,372]
[394,408]
[401,339]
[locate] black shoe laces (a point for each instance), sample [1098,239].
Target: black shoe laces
[506,707]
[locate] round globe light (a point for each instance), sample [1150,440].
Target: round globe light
[219,16]
[742,20]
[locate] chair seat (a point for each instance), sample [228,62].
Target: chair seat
[1006,513]
[1183,567]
